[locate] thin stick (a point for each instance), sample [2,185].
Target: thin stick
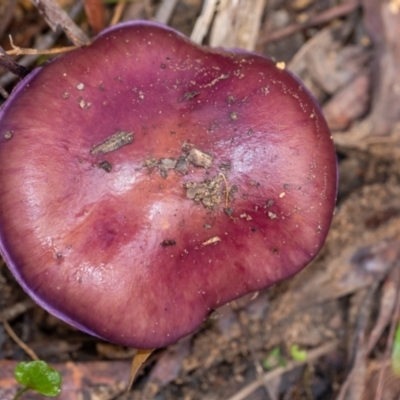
[16,310]
[358,353]
[204,21]
[257,365]
[20,393]
[118,11]
[389,343]
[165,11]
[324,17]
[19,342]
[386,309]
[44,42]
[76,40]
[55,16]
[4,93]
[9,64]
[18,51]
[277,372]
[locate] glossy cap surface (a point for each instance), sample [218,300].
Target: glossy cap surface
[146,180]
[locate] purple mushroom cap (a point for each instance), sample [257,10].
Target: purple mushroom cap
[147,180]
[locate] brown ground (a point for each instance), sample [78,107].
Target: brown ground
[343,307]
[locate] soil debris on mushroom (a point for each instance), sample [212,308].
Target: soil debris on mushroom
[207,192]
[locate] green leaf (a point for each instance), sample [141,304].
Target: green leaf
[274,359]
[39,376]
[297,354]
[396,352]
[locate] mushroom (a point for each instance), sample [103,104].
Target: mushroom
[147,180]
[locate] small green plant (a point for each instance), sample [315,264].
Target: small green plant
[396,352]
[298,354]
[38,376]
[274,359]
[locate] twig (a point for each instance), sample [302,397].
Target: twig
[118,10]
[363,316]
[16,310]
[45,42]
[4,93]
[73,38]
[311,355]
[387,305]
[10,65]
[322,18]
[245,329]
[96,14]
[19,342]
[165,11]
[204,21]
[227,189]
[353,384]
[18,51]
[389,343]
[237,24]
[55,16]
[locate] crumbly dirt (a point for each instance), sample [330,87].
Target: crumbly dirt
[207,192]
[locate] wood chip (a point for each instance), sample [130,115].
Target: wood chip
[55,16]
[113,143]
[165,10]
[204,21]
[237,24]
[199,158]
[212,240]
